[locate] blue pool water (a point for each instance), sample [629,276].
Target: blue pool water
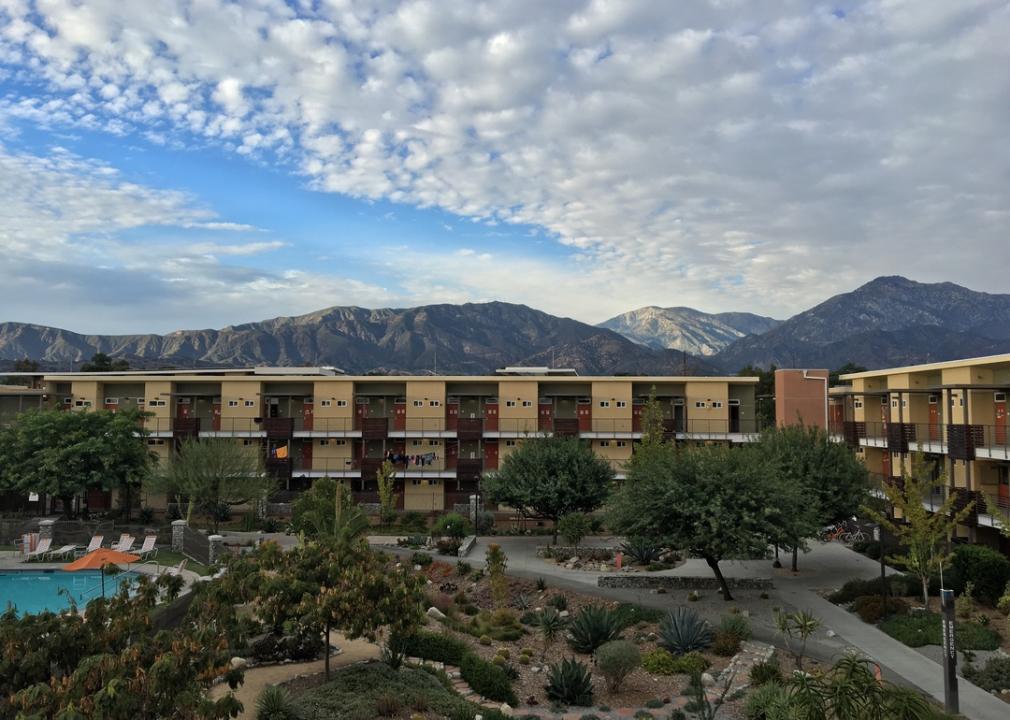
[33,591]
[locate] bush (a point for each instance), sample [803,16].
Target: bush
[924,628]
[765,673]
[762,701]
[871,607]
[146,515]
[898,585]
[435,646]
[448,547]
[682,631]
[570,683]
[988,569]
[628,614]
[661,662]
[487,679]
[485,522]
[559,602]
[736,625]
[725,644]
[452,525]
[573,527]
[276,648]
[994,675]
[592,627]
[420,558]
[463,568]
[964,604]
[414,520]
[387,705]
[616,660]
[275,703]
[642,550]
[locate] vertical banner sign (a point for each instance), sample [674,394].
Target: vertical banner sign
[949,652]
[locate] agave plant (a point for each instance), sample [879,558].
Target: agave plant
[641,550]
[682,630]
[551,624]
[570,683]
[523,601]
[593,626]
[275,703]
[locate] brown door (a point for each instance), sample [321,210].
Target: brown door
[999,403]
[183,409]
[452,415]
[306,455]
[491,415]
[400,415]
[584,411]
[934,417]
[215,415]
[360,413]
[491,455]
[885,464]
[451,454]
[546,422]
[308,413]
[1004,487]
[636,417]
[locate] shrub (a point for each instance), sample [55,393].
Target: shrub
[871,607]
[485,522]
[628,614]
[573,527]
[452,525]
[964,604]
[420,558]
[765,673]
[592,627]
[725,644]
[487,679]
[413,520]
[275,703]
[736,625]
[449,546]
[682,631]
[387,705]
[443,602]
[897,585]
[616,660]
[763,701]
[661,662]
[541,584]
[559,601]
[463,568]
[642,550]
[994,675]
[485,639]
[570,683]
[987,569]
[435,646]
[924,628]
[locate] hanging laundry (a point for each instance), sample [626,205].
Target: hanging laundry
[281,452]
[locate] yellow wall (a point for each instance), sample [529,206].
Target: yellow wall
[612,418]
[426,496]
[518,418]
[333,417]
[426,417]
[87,391]
[158,392]
[241,392]
[708,418]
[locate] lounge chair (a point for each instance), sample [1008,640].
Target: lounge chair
[148,549]
[41,550]
[125,543]
[95,544]
[175,570]
[63,552]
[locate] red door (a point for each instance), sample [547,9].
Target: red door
[934,417]
[360,413]
[885,414]
[1004,489]
[111,407]
[306,455]
[491,415]
[999,403]
[546,422]
[215,413]
[585,412]
[452,415]
[308,413]
[183,409]
[885,464]
[400,415]
[451,454]
[636,417]
[491,455]
[837,416]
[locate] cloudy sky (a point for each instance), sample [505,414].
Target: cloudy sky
[172,164]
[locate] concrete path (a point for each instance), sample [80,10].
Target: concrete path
[257,678]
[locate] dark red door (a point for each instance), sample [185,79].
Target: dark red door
[215,414]
[400,415]
[308,414]
[491,455]
[584,410]
[452,415]
[360,413]
[306,455]
[183,409]
[451,454]
[491,415]
[546,421]
[1000,406]
[885,464]
[636,417]
[934,417]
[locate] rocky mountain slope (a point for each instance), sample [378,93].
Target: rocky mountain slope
[890,321]
[687,329]
[468,339]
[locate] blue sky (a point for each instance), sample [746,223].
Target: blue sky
[175,164]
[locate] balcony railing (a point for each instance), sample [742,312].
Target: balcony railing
[424,427]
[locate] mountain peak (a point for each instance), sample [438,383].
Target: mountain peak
[686,329]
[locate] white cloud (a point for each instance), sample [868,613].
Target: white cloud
[643,134]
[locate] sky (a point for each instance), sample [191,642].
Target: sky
[181,164]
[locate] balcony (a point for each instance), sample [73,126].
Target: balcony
[233,427]
[470,428]
[469,469]
[279,428]
[319,427]
[374,428]
[431,427]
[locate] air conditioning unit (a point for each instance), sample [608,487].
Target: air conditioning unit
[273,401]
[111,401]
[68,401]
[182,401]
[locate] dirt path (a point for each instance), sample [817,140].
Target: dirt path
[258,678]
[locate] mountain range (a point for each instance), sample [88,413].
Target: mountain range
[889,321]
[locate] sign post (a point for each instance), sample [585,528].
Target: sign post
[949,652]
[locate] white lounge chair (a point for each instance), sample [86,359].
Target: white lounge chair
[63,552]
[126,545]
[121,542]
[41,550]
[148,549]
[175,570]
[95,544]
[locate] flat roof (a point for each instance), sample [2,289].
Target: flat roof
[927,367]
[524,370]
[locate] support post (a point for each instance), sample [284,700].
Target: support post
[178,532]
[46,529]
[950,694]
[216,548]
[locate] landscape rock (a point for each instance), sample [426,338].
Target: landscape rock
[434,612]
[239,662]
[707,680]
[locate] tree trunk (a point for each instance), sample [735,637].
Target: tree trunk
[925,591]
[714,564]
[326,649]
[68,505]
[796,552]
[555,532]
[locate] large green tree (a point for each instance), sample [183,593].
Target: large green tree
[764,392]
[100,362]
[713,502]
[24,365]
[820,481]
[550,477]
[327,510]
[63,454]
[210,476]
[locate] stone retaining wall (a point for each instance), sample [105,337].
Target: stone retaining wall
[680,582]
[585,552]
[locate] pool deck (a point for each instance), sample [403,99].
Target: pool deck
[11,560]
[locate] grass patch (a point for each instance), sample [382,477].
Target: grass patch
[170,558]
[358,691]
[500,625]
[628,614]
[921,629]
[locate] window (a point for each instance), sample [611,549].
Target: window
[894,403]
[604,403]
[622,403]
[883,400]
[510,403]
[82,403]
[233,403]
[622,443]
[717,403]
[324,403]
[858,403]
[527,403]
[324,443]
[417,443]
[111,401]
[338,443]
[308,401]
[933,399]
[433,443]
[700,404]
[250,403]
[155,441]
[247,442]
[151,403]
[999,397]
[734,403]
[419,403]
[434,403]
[510,443]
[341,403]
[604,443]
[140,401]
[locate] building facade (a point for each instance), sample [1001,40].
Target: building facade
[955,413]
[441,432]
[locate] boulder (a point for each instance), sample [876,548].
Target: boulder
[435,613]
[707,680]
[239,662]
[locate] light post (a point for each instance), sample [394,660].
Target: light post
[950,694]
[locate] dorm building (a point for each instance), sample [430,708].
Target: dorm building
[955,413]
[441,432]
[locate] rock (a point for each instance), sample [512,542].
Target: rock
[434,612]
[652,637]
[535,669]
[707,680]
[538,609]
[239,662]
[505,709]
[417,568]
[563,613]
[573,559]
[603,567]
[831,633]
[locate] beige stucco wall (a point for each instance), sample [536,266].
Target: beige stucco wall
[518,418]
[427,416]
[707,419]
[612,418]
[426,496]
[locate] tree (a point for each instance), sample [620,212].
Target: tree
[653,431]
[451,525]
[327,510]
[385,476]
[20,366]
[65,453]
[496,562]
[819,482]
[100,362]
[796,628]
[211,476]
[713,502]
[550,477]
[764,392]
[834,377]
[924,533]
[573,527]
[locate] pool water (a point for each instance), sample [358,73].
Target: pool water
[34,591]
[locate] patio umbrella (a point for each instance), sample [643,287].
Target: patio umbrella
[99,559]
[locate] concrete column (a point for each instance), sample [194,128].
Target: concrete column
[46,528]
[178,529]
[216,547]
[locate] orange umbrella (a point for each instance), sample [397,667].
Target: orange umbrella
[98,559]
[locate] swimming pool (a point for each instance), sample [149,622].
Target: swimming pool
[33,591]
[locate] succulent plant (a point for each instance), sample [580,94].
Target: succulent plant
[591,627]
[641,550]
[683,630]
[570,683]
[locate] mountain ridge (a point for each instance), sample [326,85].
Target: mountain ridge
[686,329]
